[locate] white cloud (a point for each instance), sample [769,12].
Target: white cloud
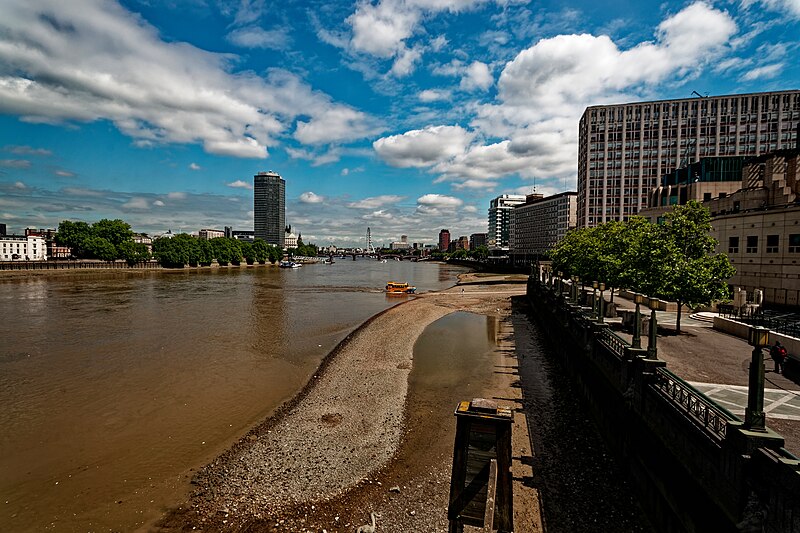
[434,95]
[345,171]
[335,124]
[257,37]
[406,61]
[475,184]
[311,198]
[239,184]
[421,148]
[177,195]
[376,201]
[26,150]
[15,163]
[789,7]
[439,200]
[158,203]
[64,173]
[104,62]
[20,185]
[765,72]
[470,209]
[136,203]
[378,215]
[477,76]
[194,166]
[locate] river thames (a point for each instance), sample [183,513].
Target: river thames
[114,386]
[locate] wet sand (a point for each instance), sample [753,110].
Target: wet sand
[358,438]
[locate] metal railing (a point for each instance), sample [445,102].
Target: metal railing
[709,415]
[613,342]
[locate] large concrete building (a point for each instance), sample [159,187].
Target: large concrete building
[538,225]
[22,248]
[500,219]
[269,207]
[476,240]
[624,149]
[444,240]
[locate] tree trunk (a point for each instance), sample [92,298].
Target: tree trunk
[678,320]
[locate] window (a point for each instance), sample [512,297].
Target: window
[733,245]
[706,196]
[772,244]
[752,244]
[794,243]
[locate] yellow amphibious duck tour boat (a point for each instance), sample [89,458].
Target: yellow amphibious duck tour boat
[394,287]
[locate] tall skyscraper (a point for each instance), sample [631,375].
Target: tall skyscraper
[269,207]
[500,218]
[444,240]
[624,149]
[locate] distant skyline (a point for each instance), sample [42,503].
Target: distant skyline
[406,116]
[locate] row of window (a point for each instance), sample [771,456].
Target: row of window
[772,245]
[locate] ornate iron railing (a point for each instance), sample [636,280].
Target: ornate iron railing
[709,415]
[613,342]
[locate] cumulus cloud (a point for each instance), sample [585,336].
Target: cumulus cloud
[239,184]
[194,166]
[20,185]
[136,204]
[434,95]
[765,72]
[543,91]
[437,204]
[26,150]
[104,62]
[177,195]
[15,163]
[311,198]
[789,7]
[64,173]
[376,201]
[477,76]
[158,203]
[425,147]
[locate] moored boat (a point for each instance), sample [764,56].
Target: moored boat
[289,264]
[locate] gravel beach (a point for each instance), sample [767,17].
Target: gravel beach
[356,439]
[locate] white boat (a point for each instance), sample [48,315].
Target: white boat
[289,264]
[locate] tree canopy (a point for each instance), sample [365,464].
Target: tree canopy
[674,261]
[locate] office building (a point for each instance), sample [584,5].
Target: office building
[208,234]
[500,219]
[269,207]
[539,223]
[22,248]
[476,240]
[444,240]
[624,149]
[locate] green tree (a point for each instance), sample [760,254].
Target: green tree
[74,235]
[688,270]
[235,247]
[205,253]
[100,248]
[480,253]
[275,254]
[261,251]
[114,231]
[133,252]
[248,253]
[171,252]
[223,252]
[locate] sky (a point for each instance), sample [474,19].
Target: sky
[405,116]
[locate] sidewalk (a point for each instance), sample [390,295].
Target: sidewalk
[717,364]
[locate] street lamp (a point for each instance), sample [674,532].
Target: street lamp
[595,285]
[575,289]
[637,322]
[560,284]
[652,351]
[754,418]
[602,301]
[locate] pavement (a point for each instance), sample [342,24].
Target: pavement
[717,364]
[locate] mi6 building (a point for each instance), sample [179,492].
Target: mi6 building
[269,207]
[624,149]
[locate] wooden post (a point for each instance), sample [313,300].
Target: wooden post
[488,517]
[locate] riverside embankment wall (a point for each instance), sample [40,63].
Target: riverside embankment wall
[694,465]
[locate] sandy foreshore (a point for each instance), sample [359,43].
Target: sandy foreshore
[357,439]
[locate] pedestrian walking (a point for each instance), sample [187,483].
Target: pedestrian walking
[778,354]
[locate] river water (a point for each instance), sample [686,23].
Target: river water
[114,386]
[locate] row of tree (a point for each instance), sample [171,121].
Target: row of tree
[673,260]
[105,239]
[184,249]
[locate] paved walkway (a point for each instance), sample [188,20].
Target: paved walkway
[717,364]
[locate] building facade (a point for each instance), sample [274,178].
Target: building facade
[269,207]
[476,240]
[624,149]
[22,248]
[500,219]
[444,240]
[209,234]
[539,223]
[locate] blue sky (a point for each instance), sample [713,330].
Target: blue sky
[406,116]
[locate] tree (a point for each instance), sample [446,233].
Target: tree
[261,251]
[100,248]
[73,234]
[133,252]
[689,272]
[481,253]
[205,253]
[114,231]
[275,254]
[248,253]
[171,252]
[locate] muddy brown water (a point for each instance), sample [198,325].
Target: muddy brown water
[114,386]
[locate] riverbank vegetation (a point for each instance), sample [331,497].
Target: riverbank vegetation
[673,260]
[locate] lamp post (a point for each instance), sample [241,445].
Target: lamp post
[560,284]
[601,302]
[652,351]
[594,299]
[637,322]
[754,418]
[575,289]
